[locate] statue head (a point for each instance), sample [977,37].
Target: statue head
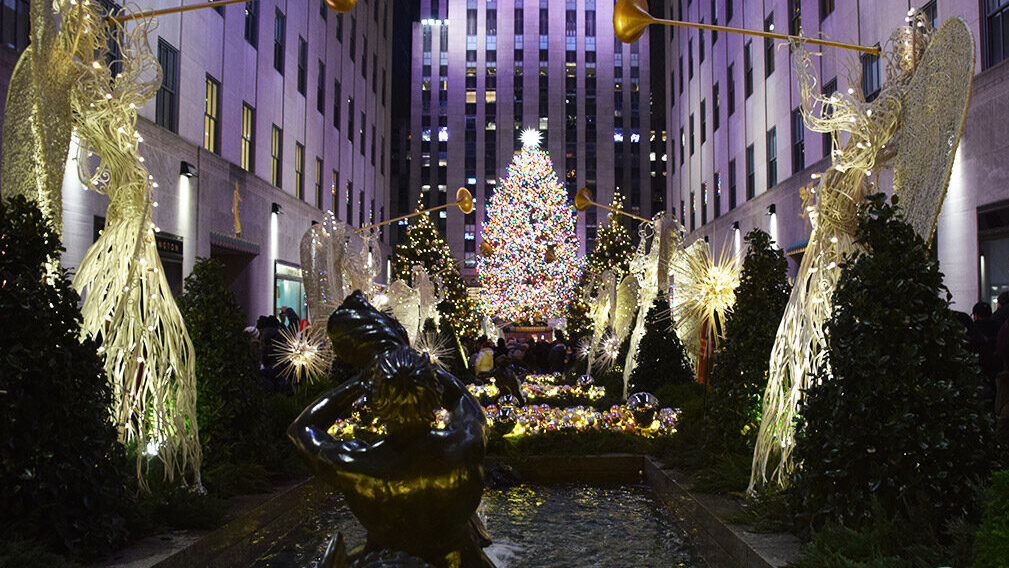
[404,391]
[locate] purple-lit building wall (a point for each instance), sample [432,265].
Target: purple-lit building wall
[725,125]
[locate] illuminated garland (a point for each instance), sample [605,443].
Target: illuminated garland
[532,272]
[528,420]
[542,387]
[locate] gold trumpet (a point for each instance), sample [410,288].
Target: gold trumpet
[583,200]
[463,199]
[339,6]
[631,17]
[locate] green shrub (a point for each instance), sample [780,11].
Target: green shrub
[661,358]
[880,543]
[739,373]
[24,554]
[900,420]
[991,543]
[230,401]
[62,470]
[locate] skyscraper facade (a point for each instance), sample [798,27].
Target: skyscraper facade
[484,71]
[740,155]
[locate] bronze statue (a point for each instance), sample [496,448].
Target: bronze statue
[417,488]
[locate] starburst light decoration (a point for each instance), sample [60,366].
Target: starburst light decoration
[535,265]
[531,138]
[704,292]
[304,356]
[435,346]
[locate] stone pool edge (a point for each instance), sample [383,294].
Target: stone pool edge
[720,544]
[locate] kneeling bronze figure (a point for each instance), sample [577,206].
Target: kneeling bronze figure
[417,487]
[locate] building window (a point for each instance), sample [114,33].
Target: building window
[361,146]
[350,202]
[252,22]
[299,170]
[681,75]
[320,89]
[931,13]
[690,58]
[166,112]
[353,38]
[276,155]
[248,137]
[718,195]
[683,145]
[829,88]
[336,104]
[794,16]
[870,76]
[798,141]
[691,134]
[704,122]
[747,70]
[728,11]
[769,46]
[714,108]
[318,183]
[350,120]
[211,116]
[750,172]
[279,33]
[693,211]
[732,184]
[997,30]
[730,88]
[704,203]
[826,7]
[772,158]
[700,44]
[302,65]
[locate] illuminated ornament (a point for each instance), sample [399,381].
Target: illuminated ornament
[304,356]
[435,347]
[704,291]
[508,400]
[585,381]
[533,266]
[643,406]
[531,138]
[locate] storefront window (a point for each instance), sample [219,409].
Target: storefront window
[288,289]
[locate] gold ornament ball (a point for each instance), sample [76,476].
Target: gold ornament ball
[340,6]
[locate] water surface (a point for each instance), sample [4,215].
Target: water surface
[533,526]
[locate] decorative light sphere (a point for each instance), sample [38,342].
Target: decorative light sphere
[643,405]
[505,421]
[507,401]
[585,380]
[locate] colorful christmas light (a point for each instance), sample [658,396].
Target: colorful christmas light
[535,265]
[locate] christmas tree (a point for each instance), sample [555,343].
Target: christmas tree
[740,367]
[424,246]
[613,247]
[661,358]
[531,273]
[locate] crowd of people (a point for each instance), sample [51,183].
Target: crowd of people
[530,356]
[988,338]
[265,339]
